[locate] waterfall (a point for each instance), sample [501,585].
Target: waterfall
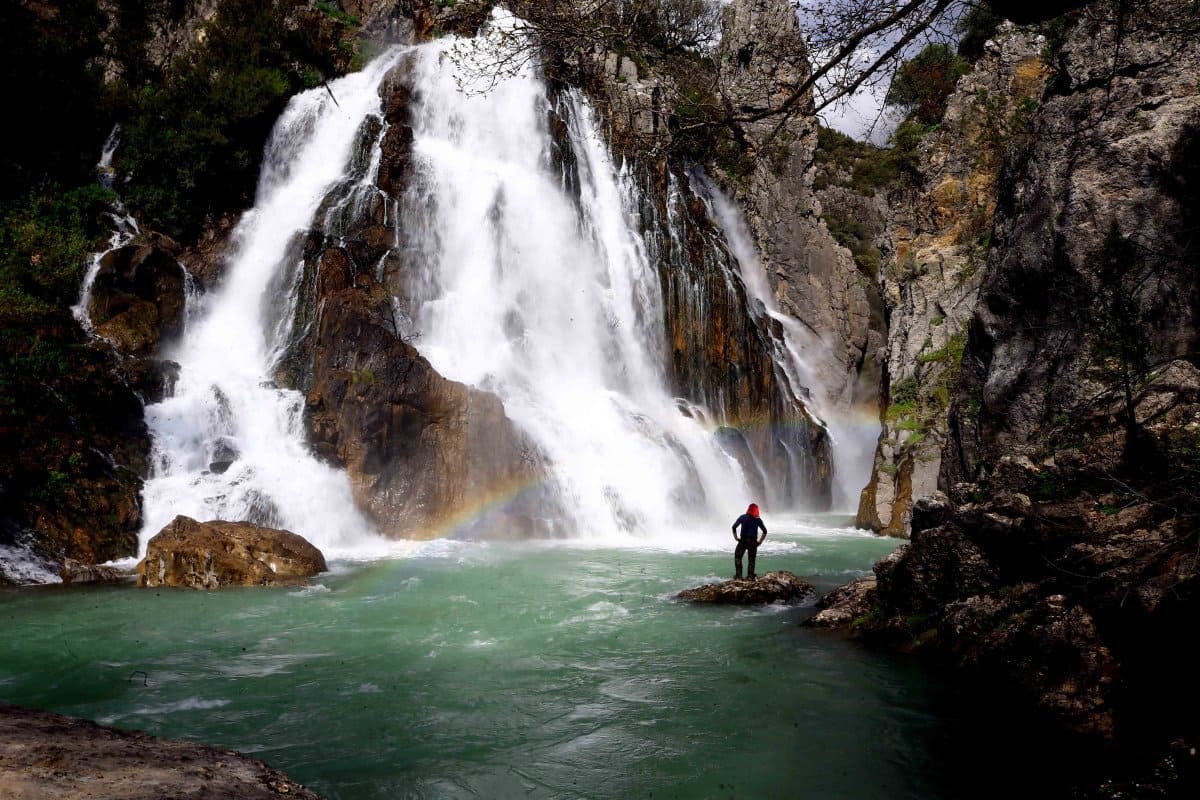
[124,229]
[229,444]
[528,272]
[536,285]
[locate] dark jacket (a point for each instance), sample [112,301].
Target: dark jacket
[750,526]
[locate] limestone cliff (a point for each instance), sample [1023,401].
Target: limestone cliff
[1062,566]
[725,345]
[937,233]
[761,59]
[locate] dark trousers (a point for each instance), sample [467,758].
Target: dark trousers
[745,546]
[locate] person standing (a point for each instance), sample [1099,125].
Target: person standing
[748,540]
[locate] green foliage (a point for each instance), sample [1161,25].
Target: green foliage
[917,403]
[923,83]
[906,142]
[330,10]
[856,237]
[868,168]
[50,52]
[904,391]
[872,619]
[975,28]
[364,377]
[192,142]
[899,410]
[950,354]
[1055,31]
[44,248]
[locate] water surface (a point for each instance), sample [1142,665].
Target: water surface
[489,670]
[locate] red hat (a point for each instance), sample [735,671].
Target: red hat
[752,510]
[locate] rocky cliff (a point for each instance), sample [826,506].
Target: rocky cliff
[669,117]
[936,232]
[72,434]
[762,58]
[1062,567]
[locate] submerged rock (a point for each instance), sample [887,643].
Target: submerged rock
[78,572]
[210,555]
[773,587]
[49,755]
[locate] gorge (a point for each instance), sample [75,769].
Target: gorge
[510,329]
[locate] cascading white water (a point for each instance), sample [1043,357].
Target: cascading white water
[125,228]
[550,301]
[853,439]
[229,444]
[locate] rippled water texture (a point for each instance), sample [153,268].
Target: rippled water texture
[536,670]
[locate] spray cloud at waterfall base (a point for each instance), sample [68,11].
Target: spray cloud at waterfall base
[524,273]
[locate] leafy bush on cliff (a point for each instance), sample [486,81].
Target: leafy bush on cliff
[192,142]
[923,83]
[44,248]
[55,94]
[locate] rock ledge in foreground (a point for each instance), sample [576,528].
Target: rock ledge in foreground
[843,605]
[49,755]
[780,586]
[211,555]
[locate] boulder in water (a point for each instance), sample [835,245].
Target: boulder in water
[211,555]
[773,587]
[73,571]
[844,604]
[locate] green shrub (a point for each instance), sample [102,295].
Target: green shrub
[923,83]
[44,248]
[192,143]
[975,28]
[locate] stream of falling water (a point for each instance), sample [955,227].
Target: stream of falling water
[532,281]
[229,444]
[546,296]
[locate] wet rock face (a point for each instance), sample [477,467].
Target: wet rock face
[216,554]
[50,755]
[138,298]
[418,448]
[841,607]
[762,57]
[773,587]
[75,447]
[723,349]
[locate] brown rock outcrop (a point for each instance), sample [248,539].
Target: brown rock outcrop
[49,755]
[138,297]
[1068,584]
[418,448]
[773,587]
[216,554]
